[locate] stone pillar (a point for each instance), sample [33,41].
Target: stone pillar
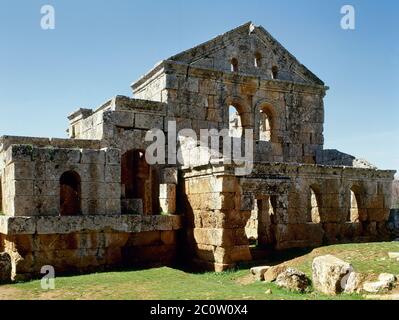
[216,224]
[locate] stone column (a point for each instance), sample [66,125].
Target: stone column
[216,224]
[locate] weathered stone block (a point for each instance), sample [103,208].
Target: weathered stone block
[328,274]
[148,121]
[5,267]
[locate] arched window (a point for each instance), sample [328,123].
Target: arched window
[70,194]
[314,211]
[235,124]
[258,60]
[234,65]
[267,125]
[353,214]
[274,72]
[265,130]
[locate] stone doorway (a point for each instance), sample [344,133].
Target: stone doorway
[70,194]
[266,221]
[261,227]
[139,184]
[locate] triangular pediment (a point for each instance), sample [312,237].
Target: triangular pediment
[255,51]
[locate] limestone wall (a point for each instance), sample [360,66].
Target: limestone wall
[200,98]
[220,206]
[255,51]
[88,243]
[31,179]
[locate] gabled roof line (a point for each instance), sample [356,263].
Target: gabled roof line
[244,26]
[264,33]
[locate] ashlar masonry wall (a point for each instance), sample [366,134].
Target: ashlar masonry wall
[31,179]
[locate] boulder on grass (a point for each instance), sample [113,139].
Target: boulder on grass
[259,272]
[393,255]
[5,268]
[354,284]
[329,274]
[385,283]
[293,280]
[272,273]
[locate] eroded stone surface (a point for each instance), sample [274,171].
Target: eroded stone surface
[385,283]
[259,272]
[328,274]
[5,268]
[293,279]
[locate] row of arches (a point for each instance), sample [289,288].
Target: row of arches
[258,63]
[261,227]
[266,119]
[353,214]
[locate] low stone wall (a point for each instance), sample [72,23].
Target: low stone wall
[219,208]
[87,243]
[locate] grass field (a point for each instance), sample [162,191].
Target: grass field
[167,283]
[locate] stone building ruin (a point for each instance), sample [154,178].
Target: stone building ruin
[92,200]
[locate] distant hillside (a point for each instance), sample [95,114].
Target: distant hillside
[395,194]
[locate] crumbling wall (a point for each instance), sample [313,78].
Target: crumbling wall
[31,179]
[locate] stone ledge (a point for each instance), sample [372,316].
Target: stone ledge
[68,224]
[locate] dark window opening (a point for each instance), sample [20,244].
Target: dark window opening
[274,72]
[234,65]
[258,60]
[70,194]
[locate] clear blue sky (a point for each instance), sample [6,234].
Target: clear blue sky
[99,47]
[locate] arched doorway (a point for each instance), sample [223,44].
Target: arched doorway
[70,194]
[140,185]
[266,220]
[353,213]
[314,210]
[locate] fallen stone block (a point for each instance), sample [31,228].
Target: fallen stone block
[293,279]
[328,274]
[393,255]
[259,272]
[272,273]
[385,283]
[354,284]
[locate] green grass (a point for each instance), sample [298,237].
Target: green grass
[167,283]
